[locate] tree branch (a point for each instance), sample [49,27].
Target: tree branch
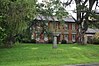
[91,3]
[67,3]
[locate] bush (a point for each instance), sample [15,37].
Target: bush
[2,36]
[90,40]
[50,41]
[25,40]
[33,41]
[19,37]
[95,41]
[64,42]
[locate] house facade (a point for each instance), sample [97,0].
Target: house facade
[44,28]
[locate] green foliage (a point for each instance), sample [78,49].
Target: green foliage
[95,41]
[2,36]
[94,20]
[64,42]
[52,8]
[50,41]
[15,16]
[84,10]
[26,36]
[44,55]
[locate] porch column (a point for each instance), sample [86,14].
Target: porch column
[85,39]
[55,41]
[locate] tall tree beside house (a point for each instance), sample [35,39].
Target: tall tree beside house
[84,12]
[15,15]
[52,8]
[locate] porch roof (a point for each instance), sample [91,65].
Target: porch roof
[90,30]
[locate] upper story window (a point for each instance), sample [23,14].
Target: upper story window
[46,24]
[73,26]
[58,25]
[66,37]
[73,37]
[66,26]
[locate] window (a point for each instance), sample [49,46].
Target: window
[46,24]
[32,36]
[66,26]
[73,26]
[73,37]
[66,37]
[46,37]
[58,25]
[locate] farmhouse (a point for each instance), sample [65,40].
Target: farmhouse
[45,27]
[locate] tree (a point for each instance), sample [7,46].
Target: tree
[52,8]
[16,15]
[84,12]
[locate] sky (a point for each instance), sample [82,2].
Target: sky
[71,7]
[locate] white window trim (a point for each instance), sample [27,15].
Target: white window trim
[73,37]
[73,26]
[66,37]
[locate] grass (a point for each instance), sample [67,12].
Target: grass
[45,55]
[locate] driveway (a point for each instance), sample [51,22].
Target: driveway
[96,64]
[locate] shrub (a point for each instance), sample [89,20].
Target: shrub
[64,42]
[33,41]
[2,36]
[95,41]
[50,41]
[25,40]
[96,35]
[19,37]
[90,41]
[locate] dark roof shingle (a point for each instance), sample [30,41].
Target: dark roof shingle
[66,19]
[90,30]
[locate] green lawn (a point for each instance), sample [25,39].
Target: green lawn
[45,55]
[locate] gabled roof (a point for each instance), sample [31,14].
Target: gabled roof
[53,18]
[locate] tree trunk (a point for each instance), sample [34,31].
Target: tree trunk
[81,39]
